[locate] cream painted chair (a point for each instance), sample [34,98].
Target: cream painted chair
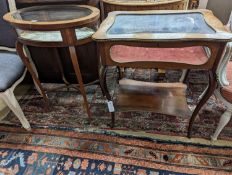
[224,90]
[12,70]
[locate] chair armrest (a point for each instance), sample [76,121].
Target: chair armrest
[221,71]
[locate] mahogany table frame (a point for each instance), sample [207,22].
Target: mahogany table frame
[69,39]
[108,6]
[215,42]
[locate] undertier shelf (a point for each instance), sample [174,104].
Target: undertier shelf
[164,98]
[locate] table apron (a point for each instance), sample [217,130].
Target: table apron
[212,63]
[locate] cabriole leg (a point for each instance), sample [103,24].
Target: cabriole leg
[224,120]
[103,84]
[207,95]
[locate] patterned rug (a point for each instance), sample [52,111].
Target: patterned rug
[62,140]
[53,152]
[66,111]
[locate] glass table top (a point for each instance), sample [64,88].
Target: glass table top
[160,23]
[51,13]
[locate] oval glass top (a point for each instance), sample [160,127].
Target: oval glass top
[51,13]
[142,1]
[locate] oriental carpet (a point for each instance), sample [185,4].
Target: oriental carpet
[45,151]
[63,141]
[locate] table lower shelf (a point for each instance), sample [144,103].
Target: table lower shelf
[164,98]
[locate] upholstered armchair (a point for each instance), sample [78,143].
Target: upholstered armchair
[224,89]
[12,70]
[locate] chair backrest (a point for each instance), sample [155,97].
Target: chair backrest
[229,25]
[8,34]
[227,56]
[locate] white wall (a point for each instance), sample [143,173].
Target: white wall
[221,9]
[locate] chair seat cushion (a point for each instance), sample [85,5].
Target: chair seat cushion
[227,90]
[11,69]
[190,55]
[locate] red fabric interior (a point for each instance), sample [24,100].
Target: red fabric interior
[227,90]
[189,55]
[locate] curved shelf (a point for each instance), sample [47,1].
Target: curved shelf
[55,36]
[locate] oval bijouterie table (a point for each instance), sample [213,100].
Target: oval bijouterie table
[135,5]
[55,26]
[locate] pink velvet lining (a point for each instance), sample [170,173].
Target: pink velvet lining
[227,90]
[189,55]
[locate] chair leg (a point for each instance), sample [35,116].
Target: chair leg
[184,75]
[203,93]
[225,118]
[120,72]
[11,101]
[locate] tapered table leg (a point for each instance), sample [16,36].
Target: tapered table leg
[76,67]
[26,61]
